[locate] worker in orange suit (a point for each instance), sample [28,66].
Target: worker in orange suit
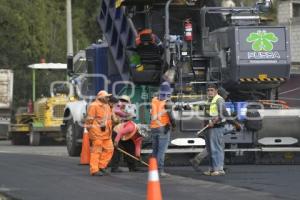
[99,125]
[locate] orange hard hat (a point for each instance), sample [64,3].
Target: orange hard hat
[102,94]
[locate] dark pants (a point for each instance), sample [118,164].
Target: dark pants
[127,146]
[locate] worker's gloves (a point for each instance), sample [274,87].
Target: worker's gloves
[138,157]
[167,129]
[237,126]
[116,144]
[173,127]
[210,124]
[102,128]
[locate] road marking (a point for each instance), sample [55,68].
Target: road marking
[298,88]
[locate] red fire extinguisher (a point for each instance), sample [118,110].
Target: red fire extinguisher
[188,30]
[30,106]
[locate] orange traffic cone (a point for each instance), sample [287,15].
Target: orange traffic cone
[153,189]
[85,149]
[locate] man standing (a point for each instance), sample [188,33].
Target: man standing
[161,122]
[214,136]
[99,125]
[195,162]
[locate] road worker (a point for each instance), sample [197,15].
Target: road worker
[195,162]
[214,135]
[161,122]
[125,135]
[99,125]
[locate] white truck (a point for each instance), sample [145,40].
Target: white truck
[6,97]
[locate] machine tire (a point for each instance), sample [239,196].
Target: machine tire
[34,138]
[72,133]
[19,139]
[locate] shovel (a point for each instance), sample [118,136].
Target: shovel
[201,131]
[128,154]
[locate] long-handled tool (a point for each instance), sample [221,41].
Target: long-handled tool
[201,131]
[128,154]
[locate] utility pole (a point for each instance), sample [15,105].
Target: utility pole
[69,35]
[69,28]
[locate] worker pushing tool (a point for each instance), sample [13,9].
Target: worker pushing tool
[126,136]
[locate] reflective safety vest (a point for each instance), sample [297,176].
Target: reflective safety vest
[159,115]
[213,108]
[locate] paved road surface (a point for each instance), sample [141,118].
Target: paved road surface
[49,149]
[27,175]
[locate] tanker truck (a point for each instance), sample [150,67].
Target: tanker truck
[6,97]
[202,44]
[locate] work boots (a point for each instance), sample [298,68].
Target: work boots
[214,173]
[162,173]
[101,172]
[116,170]
[195,165]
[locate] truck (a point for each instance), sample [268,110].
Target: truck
[44,115]
[6,99]
[202,43]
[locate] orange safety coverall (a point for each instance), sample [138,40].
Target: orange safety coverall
[99,115]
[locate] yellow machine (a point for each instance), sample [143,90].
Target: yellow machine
[49,111]
[47,115]
[20,130]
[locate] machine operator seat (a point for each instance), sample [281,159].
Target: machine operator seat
[146,58]
[149,48]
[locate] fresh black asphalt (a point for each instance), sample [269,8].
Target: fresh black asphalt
[24,176]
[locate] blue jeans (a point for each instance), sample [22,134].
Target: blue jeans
[160,142]
[215,147]
[228,128]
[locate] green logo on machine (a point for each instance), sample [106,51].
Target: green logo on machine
[262,40]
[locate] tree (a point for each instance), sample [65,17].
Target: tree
[35,29]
